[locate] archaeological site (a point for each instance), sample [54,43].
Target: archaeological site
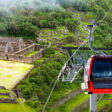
[15,49]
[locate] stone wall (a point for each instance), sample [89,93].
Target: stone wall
[5,94]
[37,55]
[67,98]
[21,59]
[7,100]
[3,57]
[29,49]
[20,55]
[11,45]
[81,106]
[24,59]
[26,50]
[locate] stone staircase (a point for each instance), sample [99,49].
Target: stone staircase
[7,96]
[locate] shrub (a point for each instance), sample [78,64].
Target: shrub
[49,51]
[72,24]
[70,39]
[2,28]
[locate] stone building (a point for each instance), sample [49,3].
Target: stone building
[10,45]
[15,49]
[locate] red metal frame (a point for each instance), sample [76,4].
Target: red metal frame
[90,83]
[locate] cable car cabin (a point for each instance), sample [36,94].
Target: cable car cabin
[98,75]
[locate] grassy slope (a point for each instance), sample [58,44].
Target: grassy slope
[57,95]
[12,72]
[68,106]
[102,103]
[15,108]
[31,53]
[4,96]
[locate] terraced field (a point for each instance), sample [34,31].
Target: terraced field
[12,72]
[15,108]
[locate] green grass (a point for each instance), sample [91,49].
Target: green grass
[85,23]
[31,53]
[40,61]
[4,96]
[69,45]
[56,51]
[52,31]
[61,27]
[102,103]
[57,95]
[15,108]
[46,30]
[68,106]
[12,72]
[4,91]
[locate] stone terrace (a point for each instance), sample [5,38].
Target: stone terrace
[15,49]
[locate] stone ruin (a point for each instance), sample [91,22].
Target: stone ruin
[11,97]
[15,49]
[10,45]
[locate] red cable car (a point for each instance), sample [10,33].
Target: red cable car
[98,75]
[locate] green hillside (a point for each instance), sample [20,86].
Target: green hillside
[56,24]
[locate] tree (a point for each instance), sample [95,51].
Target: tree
[2,27]
[39,92]
[27,29]
[12,28]
[100,14]
[72,24]
[49,51]
[37,79]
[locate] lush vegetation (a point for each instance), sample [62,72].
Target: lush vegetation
[15,108]
[75,14]
[103,104]
[37,87]
[68,106]
[31,53]
[42,78]
[26,23]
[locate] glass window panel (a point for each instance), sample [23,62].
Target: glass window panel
[102,69]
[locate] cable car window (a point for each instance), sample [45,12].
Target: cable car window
[102,74]
[102,69]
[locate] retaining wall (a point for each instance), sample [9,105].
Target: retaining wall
[29,49]
[7,100]
[81,106]
[67,98]
[3,57]
[19,56]
[5,94]
[24,59]
[26,50]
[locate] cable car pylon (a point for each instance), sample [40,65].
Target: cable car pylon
[93,97]
[90,43]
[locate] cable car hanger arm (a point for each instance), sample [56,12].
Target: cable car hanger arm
[90,43]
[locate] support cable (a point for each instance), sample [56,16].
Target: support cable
[50,95]
[101,96]
[105,16]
